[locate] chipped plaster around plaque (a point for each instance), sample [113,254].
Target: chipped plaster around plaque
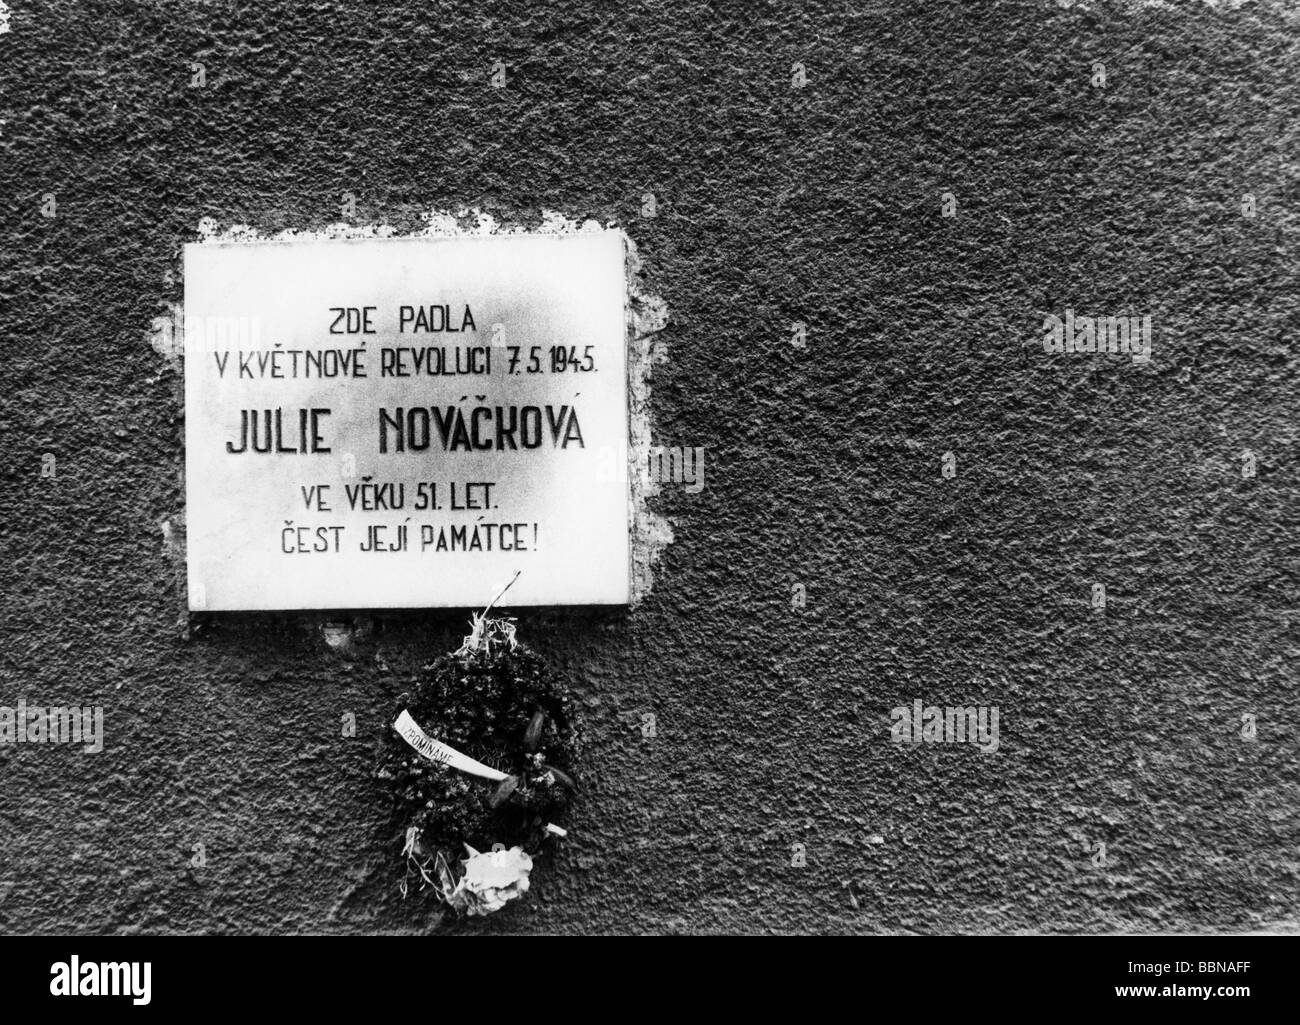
[647,316]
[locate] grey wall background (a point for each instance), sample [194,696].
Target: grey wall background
[776,204]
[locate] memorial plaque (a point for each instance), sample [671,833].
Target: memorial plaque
[405,423]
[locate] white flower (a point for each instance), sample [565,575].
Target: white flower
[490,880]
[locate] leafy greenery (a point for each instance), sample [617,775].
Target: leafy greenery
[481,701]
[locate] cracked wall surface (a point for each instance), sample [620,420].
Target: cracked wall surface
[773,205]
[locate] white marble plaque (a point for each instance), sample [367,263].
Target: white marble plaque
[405,423]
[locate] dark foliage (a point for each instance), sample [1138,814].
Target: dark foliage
[485,705]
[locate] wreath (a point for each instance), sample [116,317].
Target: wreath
[480,760]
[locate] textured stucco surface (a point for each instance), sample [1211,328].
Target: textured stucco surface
[776,204]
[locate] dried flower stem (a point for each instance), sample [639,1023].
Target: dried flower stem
[483,630]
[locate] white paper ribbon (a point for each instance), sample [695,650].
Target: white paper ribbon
[437,751]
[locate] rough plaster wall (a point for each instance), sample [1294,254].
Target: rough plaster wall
[775,205]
